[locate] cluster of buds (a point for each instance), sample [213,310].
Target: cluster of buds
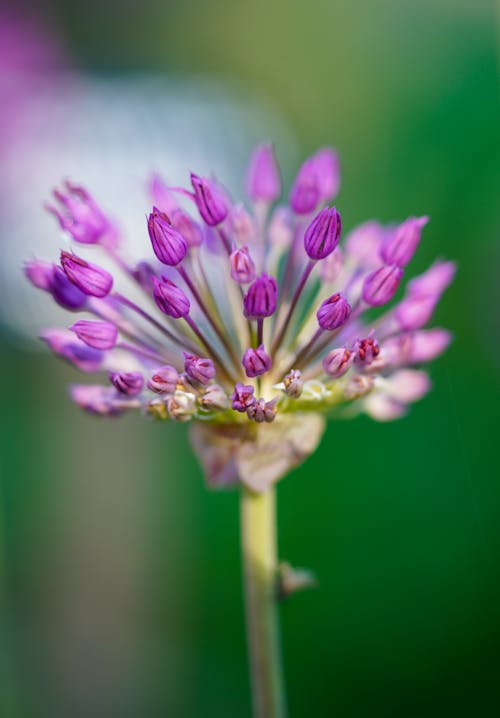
[247,314]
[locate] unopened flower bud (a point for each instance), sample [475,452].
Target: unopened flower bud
[243,228]
[334,312]
[401,244]
[79,215]
[199,368]
[434,281]
[170,298]
[366,350]
[242,266]
[327,172]
[262,410]
[256,361]
[305,193]
[39,274]
[338,362]
[281,227]
[96,399]
[129,383]
[211,204]
[364,243]
[99,335]
[168,244]
[415,311]
[64,343]
[89,278]
[260,299]
[263,180]
[428,344]
[214,398]
[181,405]
[187,227]
[380,286]
[293,384]
[164,380]
[242,397]
[323,234]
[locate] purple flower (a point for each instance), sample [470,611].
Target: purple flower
[210,202]
[380,286]
[415,311]
[52,279]
[260,299]
[96,399]
[305,193]
[334,312]
[170,298]
[256,361]
[89,278]
[263,181]
[435,280]
[242,266]
[323,234]
[63,343]
[261,410]
[401,244]
[164,380]
[199,368]
[99,335]
[129,383]
[366,351]
[338,362]
[187,227]
[327,173]
[168,244]
[242,397]
[79,215]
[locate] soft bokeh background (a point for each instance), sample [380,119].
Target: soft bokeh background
[120,576]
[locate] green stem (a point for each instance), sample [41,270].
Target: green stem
[258,546]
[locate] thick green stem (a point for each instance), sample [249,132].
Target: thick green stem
[258,546]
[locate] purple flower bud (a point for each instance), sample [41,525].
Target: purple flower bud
[187,227]
[435,280]
[293,384]
[79,214]
[323,234]
[281,227]
[263,180]
[305,193]
[143,274]
[415,311]
[262,410]
[243,227]
[170,298]
[242,266]
[328,172]
[164,380]
[96,399]
[260,299]
[52,279]
[338,362]
[428,345]
[401,244]
[214,398]
[211,204]
[366,351]
[364,243]
[39,274]
[99,335]
[89,278]
[380,286]
[199,368]
[242,397]
[256,361]
[168,244]
[334,312]
[129,383]
[160,194]
[63,343]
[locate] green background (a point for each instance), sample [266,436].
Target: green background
[121,572]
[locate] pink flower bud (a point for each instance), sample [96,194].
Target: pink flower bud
[334,312]
[168,244]
[89,278]
[256,361]
[263,180]
[129,383]
[338,362]
[242,266]
[99,335]
[170,298]
[164,380]
[211,203]
[199,368]
[260,299]
[380,286]
[401,244]
[323,234]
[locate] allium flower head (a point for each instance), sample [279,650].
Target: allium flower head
[260,325]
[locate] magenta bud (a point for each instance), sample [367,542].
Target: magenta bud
[380,286]
[327,172]
[323,234]
[164,380]
[256,361]
[79,214]
[143,274]
[199,368]
[52,279]
[242,397]
[242,266]
[129,383]
[305,193]
[262,410]
[190,230]
[214,398]
[401,244]
[334,312]
[364,243]
[99,335]
[63,343]
[211,204]
[168,244]
[170,298]
[96,399]
[89,278]
[294,384]
[260,299]
[435,280]
[243,227]
[415,311]
[39,274]
[338,362]
[263,179]
[428,344]
[366,351]
[162,197]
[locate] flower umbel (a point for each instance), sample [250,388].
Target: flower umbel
[254,368]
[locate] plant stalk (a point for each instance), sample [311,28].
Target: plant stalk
[260,573]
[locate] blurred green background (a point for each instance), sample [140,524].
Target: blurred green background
[121,579]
